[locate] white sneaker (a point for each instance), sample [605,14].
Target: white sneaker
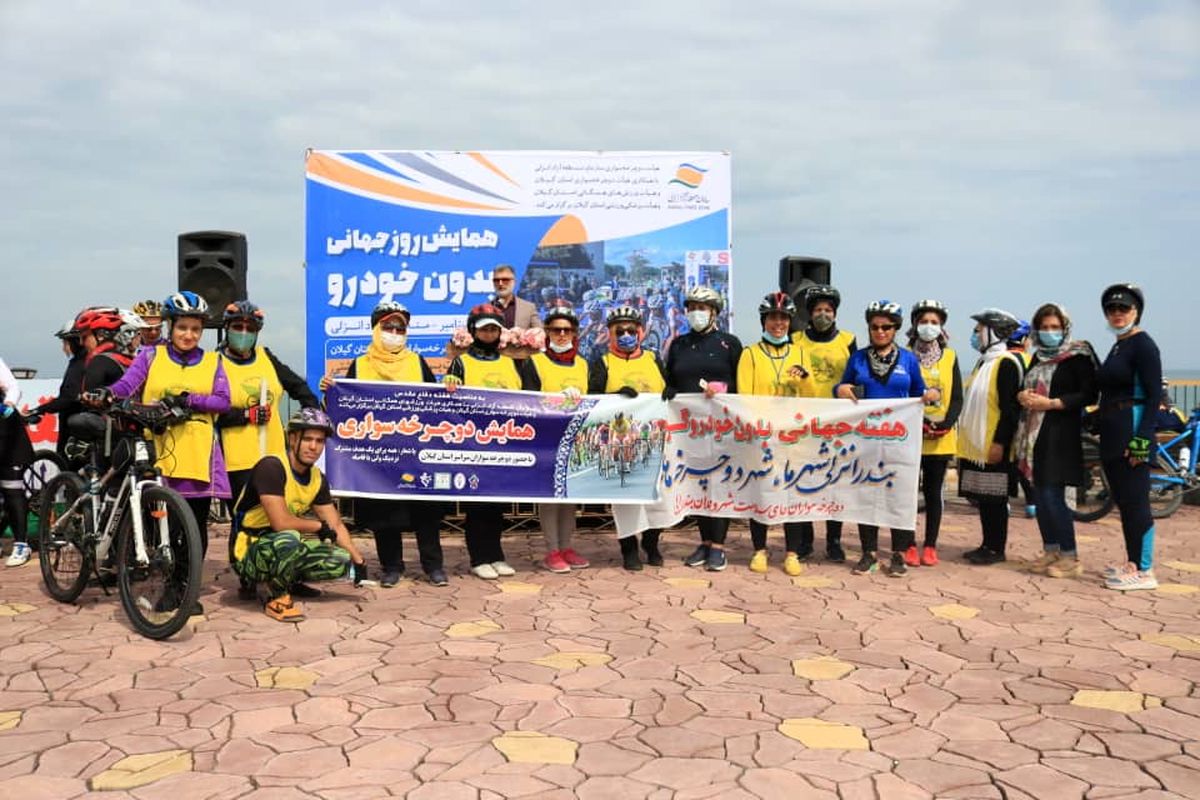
[1133,581]
[1116,570]
[503,569]
[485,571]
[20,555]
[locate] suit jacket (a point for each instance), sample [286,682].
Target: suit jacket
[525,314]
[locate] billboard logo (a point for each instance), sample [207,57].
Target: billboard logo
[688,175]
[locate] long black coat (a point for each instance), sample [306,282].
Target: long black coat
[1058,451]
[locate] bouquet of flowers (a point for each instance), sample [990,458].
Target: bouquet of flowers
[514,342]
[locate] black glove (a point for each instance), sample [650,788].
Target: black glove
[360,573]
[627,391]
[326,533]
[176,401]
[668,393]
[100,398]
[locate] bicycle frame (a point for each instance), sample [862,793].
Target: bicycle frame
[1182,474]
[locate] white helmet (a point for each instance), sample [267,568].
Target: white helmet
[705,296]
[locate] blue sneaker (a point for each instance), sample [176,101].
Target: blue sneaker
[698,558]
[716,559]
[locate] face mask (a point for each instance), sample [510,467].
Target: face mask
[1121,331]
[775,340]
[977,342]
[822,322]
[929,331]
[627,342]
[1050,339]
[393,342]
[698,320]
[487,347]
[242,341]
[562,347]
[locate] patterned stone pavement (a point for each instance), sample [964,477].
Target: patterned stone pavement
[956,681]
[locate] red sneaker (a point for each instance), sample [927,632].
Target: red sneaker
[574,560]
[555,563]
[929,556]
[911,558]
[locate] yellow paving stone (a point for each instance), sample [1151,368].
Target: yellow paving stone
[818,734]
[687,583]
[1177,641]
[531,747]
[9,719]
[715,617]
[572,660]
[1121,702]
[1182,566]
[1153,702]
[285,678]
[1086,538]
[822,668]
[812,582]
[517,587]
[954,611]
[1177,588]
[466,630]
[12,609]
[134,771]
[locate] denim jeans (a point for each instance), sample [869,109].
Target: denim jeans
[1055,521]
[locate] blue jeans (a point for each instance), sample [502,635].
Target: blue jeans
[1055,521]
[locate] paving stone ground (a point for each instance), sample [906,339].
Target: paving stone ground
[955,681]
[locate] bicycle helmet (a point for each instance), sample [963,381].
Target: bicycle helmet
[483,315]
[936,306]
[310,419]
[243,310]
[885,308]
[623,314]
[148,308]
[1017,338]
[104,323]
[185,304]
[562,310]
[129,335]
[998,321]
[815,294]
[777,302]
[69,330]
[1124,294]
[386,309]
[705,296]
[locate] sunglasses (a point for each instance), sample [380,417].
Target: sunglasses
[883,327]
[624,331]
[560,330]
[502,280]
[1117,309]
[395,327]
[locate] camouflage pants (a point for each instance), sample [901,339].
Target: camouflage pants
[283,558]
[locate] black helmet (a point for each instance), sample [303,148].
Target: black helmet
[777,302]
[999,321]
[1124,294]
[936,306]
[243,310]
[562,310]
[386,309]
[819,292]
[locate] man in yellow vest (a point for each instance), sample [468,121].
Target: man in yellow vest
[270,516]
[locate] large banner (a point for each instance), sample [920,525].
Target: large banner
[35,392]
[420,441]
[778,459]
[426,228]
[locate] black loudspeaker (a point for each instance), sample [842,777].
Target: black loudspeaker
[796,274]
[213,265]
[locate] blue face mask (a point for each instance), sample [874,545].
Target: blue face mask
[1050,339]
[976,342]
[242,341]
[1121,331]
[775,340]
[627,342]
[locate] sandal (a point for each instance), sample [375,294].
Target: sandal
[281,608]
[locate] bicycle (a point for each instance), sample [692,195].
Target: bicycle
[44,465]
[158,559]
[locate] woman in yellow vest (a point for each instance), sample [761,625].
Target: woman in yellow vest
[628,369]
[559,369]
[986,429]
[827,350]
[388,358]
[774,366]
[939,368]
[182,374]
[482,366]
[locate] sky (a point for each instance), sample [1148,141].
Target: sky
[985,154]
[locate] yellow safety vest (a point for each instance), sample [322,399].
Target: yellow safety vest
[826,361]
[185,450]
[297,496]
[497,373]
[556,376]
[993,398]
[762,372]
[941,377]
[642,373]
[410,366]
[241,444]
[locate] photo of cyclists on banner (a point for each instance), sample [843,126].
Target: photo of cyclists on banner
[619,450]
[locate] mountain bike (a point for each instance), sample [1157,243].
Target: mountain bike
[119,498]
[1174,475]
[44,466]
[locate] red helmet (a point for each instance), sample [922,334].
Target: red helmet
[101,321]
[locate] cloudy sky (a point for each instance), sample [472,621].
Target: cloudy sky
[982,153]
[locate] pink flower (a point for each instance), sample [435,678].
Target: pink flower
[461,338]
[509,337]
[534,338]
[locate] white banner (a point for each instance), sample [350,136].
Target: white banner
[778,459]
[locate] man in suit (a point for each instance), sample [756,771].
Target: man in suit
[518,312]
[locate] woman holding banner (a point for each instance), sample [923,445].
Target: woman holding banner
[483,366]
[774,366]
[883,371]
[559,369]
[705,360]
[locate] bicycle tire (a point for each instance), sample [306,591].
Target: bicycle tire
[44,466]
[173,605]
[1098,500]
[1165,498]
[57,496]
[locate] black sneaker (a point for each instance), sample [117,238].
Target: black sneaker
[805,552]
[971,555]
[987,558]
[699,557]
[653,556]
[305,591]
[898,568]
[835,554]
[716,559]
[438,577]
[867,564]
[390,578]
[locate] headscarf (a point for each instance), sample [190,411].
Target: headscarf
[973,439]
[385,362]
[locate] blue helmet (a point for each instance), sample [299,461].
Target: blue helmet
[1018,336]
[185,304]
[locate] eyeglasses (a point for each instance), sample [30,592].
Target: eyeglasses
[553,331]
[502,280]
[883,327]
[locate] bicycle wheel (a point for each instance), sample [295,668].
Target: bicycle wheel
[1093,499]
[65,546]
[1165,497]
[158,596]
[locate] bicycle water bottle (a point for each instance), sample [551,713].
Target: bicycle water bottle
[1185,459]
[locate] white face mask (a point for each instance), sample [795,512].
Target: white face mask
[393,342]
[929,331]
[698,320]
[561,347]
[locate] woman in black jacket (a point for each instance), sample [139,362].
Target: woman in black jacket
[1059,384]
